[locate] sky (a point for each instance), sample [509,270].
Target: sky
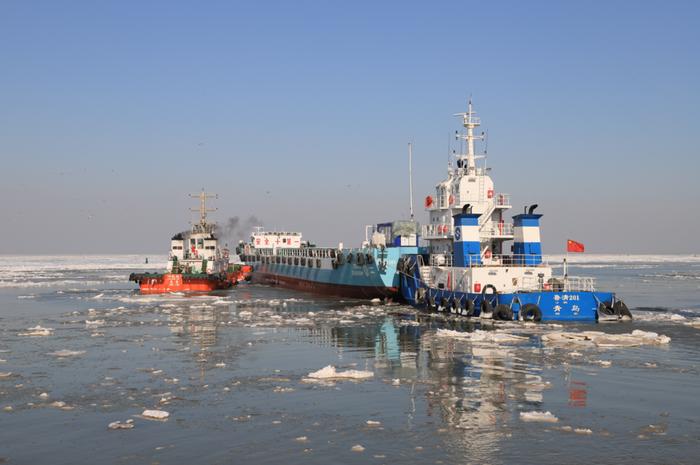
[299,114]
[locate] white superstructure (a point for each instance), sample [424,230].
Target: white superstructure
[468,183]
[197,251]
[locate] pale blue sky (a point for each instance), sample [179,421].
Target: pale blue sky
[299,113]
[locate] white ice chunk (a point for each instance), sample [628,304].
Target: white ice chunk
[37,331]
[357,448]
[601,339]
[545,417]
[329,372]
[67,353]
[373,423]
[128,424]
[481,336]
[155,414]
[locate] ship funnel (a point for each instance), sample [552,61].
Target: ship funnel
[527,247]
[467,242]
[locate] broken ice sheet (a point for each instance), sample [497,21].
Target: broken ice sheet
[545,417]
[330,373]
[37,331]
[66,353]
[155,414]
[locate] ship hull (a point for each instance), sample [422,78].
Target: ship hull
[373,277]
[325,288]
[564,305]
[157,283]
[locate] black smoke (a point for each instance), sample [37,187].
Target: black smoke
[235,228]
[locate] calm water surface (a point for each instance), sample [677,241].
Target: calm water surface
[231,369]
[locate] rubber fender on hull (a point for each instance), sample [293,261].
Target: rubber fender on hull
[621,310]
[420,295]
[503,312]
[606,309]
[431,303]
[445,305]
[486,307]
[531,312]
[486,304]
[469,308]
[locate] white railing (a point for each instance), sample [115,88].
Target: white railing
[560,284]
[488,260]
[431,231]
[499,230]
[502,200]
[441,260]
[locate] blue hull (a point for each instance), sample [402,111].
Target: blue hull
[378,279]
[581,306]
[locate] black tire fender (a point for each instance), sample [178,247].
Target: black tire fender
[503,312]
[621,310]
[531,312]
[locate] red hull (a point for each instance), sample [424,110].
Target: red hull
[338,290]
[170,282]
[242,274]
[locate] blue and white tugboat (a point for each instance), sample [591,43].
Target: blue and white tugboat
[473,269]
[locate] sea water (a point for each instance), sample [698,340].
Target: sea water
[267,375]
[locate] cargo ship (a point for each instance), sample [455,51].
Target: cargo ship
[478,263]
[196,263]
[367,272]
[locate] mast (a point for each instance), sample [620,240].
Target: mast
[203,196]
[410,177]
[470,121]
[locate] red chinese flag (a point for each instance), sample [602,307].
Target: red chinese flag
[573,246]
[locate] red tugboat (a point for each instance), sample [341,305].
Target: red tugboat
[196,263]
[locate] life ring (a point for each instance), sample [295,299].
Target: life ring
[531,312]
[428,202]
[451,199]
[487,254]
[503,312]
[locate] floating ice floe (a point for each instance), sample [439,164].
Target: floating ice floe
[5,374]
[481,336]
[67,353]
[128,424]
[93,323]
[330,373]
[601,339]
[374,423]
[37,331]
[357,448]
[155,414]
[545,417]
